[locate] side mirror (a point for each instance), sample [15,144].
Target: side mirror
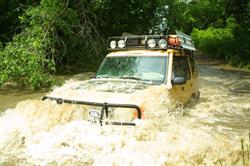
[179,80]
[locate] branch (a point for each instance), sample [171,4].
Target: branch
[64,9]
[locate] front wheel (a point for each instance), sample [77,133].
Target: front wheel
[195,98]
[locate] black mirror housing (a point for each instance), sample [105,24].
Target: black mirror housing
[179,80]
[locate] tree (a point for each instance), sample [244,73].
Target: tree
[124,16]
[55,34]
[9,21]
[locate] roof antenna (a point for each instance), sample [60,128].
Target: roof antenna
[164,27]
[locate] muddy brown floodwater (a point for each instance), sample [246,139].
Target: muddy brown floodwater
[10,96]
[214,131]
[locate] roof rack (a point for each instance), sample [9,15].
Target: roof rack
[186,41]
[151,42]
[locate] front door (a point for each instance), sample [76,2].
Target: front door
[180,68]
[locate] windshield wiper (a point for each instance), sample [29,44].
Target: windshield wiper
[138,79]
[131,77]
[123,77]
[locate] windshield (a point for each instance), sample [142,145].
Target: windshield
[143,68]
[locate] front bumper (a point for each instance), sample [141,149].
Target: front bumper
[104,109]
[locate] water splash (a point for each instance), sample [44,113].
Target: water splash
[207,133]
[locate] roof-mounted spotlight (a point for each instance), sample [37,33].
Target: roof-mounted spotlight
[121,43]
[151,43]
[113,44]
[162,43]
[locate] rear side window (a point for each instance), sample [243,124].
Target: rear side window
[180,67]
[192,63]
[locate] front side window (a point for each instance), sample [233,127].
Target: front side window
[180,67]
[134,67]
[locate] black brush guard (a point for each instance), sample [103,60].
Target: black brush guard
[104,109]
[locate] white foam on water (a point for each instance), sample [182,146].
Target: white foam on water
[46,133]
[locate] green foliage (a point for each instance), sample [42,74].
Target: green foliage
[64,36]
[53,37]
[229,41]
[23,60]
[215,42]
[8,19]
[9,22]
[207,13]
[125,16]
[220,28]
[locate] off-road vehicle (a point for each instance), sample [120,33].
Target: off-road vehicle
[138,72]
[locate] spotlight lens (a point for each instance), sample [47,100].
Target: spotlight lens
[121,44]
[113,44]
[163,43]
[151,43]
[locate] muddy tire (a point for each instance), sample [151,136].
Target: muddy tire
[195,98]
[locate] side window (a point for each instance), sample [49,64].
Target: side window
[180,67]
[192,63]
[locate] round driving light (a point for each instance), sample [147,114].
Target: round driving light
[121,44]
[143,42]
[113,44]
[151,43]
[162,43]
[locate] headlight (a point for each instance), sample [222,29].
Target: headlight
[113,44]
[151,43]
[162,43]
[121,44]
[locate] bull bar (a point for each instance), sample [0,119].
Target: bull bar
[104,110]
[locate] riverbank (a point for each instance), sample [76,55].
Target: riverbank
[206,60]
[11,94]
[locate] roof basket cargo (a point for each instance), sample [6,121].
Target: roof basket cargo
[185,41]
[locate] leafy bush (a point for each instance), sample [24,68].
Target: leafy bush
[215,42]
[24,61]
[229,44]
[55,35]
